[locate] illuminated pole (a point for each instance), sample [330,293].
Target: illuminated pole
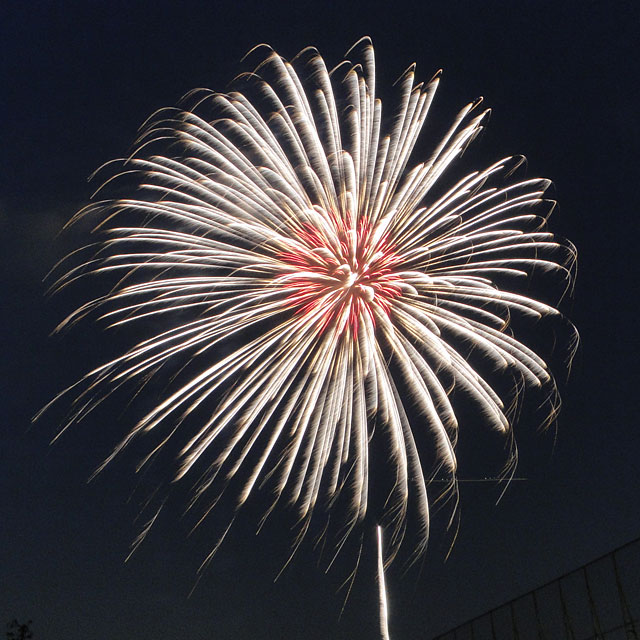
[382,591]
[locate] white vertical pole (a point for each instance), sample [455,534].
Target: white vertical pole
[382,590]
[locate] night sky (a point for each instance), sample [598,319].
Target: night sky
[77,80]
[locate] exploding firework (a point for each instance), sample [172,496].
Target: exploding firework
[311,295]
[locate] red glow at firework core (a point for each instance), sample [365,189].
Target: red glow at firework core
[340,270]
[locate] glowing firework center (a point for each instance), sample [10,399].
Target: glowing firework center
[341,271]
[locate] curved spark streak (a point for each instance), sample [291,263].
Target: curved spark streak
[327,288]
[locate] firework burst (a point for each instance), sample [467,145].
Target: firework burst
[315,289]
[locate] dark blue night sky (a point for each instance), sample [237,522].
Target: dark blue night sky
[77,81]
